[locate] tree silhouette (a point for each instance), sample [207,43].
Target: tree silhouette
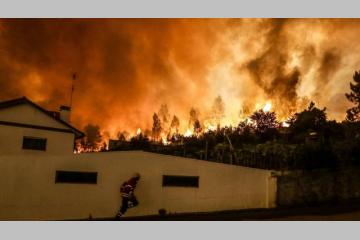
[194,115]
[156,129]
[353,114]
[218,109]
[175,123]
[311,119]
[93,137]
[197,127]
[264,121]
[164,114]
[122,135]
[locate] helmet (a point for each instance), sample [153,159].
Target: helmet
[136,175]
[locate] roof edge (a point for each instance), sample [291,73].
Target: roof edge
[23,100]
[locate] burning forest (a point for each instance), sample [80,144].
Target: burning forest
[172,81]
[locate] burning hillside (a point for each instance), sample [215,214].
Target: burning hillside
[190,72]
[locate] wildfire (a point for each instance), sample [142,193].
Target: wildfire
[267,107]
[164,140]
[210,127]
[138,132]
[285,124]
[79,148]
[280,71]
[188,133]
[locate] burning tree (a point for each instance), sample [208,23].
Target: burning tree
[93,137]
[353,114]
[156,129]
[164,115]
[197,127]
[175,123]
[122,136]
[194,123]
[218,109]
[194,115]
[265,124]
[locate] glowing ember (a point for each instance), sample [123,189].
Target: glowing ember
[138,132]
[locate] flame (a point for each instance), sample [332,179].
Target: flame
[285,124]
[138,132]
[210,127]
[188,133]
[267,107]
[81,149]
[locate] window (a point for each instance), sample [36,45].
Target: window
[34,143]
[76,177]
[180,181]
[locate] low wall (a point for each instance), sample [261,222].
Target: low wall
[29,191]
[318,186]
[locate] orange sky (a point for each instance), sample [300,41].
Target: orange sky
[128,68]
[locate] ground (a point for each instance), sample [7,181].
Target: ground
[325,212]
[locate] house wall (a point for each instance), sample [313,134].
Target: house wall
[11,137]
[29,190]
[11,140]
[28,114]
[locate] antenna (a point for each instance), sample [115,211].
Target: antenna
[72,88]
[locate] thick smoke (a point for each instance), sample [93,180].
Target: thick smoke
[127,68]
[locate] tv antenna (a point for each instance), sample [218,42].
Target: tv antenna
[74,75]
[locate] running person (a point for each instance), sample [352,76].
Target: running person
[127,193]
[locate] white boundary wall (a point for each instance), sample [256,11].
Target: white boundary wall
[29,192]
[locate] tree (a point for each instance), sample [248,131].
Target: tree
[311,119]
[265,125]
[197,127]
[353,114]
[218,109]
[156,129]
[139,142]
[264,121]
[164,114]
[175,123]
[93,137]
[122,136]
[194,115]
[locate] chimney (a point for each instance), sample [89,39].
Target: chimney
[65,113]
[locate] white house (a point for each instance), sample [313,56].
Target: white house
[42,179]
[26,128]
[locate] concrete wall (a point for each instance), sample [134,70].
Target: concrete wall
[29,191]
[11,140]
[318,186]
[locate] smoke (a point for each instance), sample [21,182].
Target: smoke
[127,68]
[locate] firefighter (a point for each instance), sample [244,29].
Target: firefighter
[127,194]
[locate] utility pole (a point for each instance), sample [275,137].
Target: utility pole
[206,150]
[231,149]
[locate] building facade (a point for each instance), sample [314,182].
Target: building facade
[27,129]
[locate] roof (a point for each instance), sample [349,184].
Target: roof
[51,114]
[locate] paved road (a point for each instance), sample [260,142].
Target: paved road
[324,212]
[350,216]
